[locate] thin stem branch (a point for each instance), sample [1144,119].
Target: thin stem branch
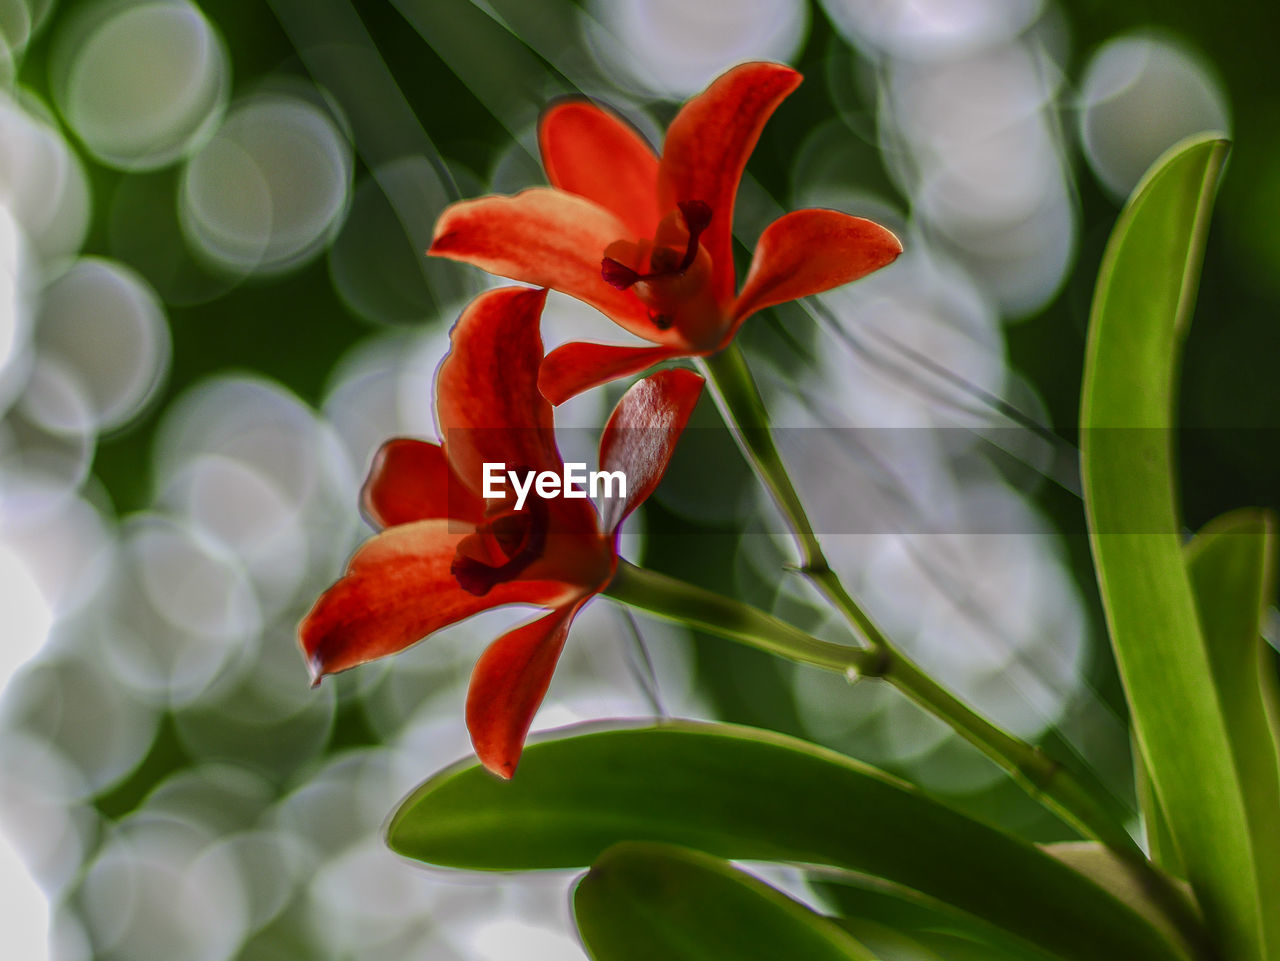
[686,603]
[738,398]
[740,403]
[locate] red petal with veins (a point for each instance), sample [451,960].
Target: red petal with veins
[642,433]
[572,368]
[707,148]
[590,151]
[546,237]
[397,590]
[808,251]
[410,480]
[508,684]
[487,398]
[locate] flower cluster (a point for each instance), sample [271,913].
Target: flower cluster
[648,241]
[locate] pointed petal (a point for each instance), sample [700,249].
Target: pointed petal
[809,251]
[507,686]
[410,480]
[590,151]
[707,148]
[572,368]
[397,590]
[549,238]
[487,397]
[642,433]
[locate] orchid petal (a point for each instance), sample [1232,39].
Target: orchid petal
[410,480]
[808,251]
[590,151]
[707,148]
[642,433]
[508,685]
[487,397]
[398,589]
[572,368]
[549,238]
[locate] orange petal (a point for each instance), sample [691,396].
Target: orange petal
[642,434]
[410,480]
[707,148]
[549,238]
[572,368]
[487,397]
[808,251]
[397,590]
[590,151]
[508,684]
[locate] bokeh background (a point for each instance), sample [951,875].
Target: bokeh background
[214,305]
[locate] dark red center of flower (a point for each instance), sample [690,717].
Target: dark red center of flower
[501,548]
[663,261]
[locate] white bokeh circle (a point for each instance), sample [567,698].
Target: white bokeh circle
[270,188]
[1139,96]
[676,47]
[42,183]
[105,327]
[142,84]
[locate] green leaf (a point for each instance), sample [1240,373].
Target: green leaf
[1163,851]
[1230,564]
[642,901]
[1143,303]
[1101,866]
[862,902]
[754,795]
[891,944]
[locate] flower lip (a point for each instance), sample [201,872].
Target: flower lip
[697,217]
[616,274]
[518,537]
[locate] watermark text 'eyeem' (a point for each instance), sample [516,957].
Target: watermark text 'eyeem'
[574,483]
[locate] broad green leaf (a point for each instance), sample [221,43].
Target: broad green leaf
[888,943]
[867,906]
[897,942]
[856,900]
[957,947]
[753,795]
[1230,563]
[642,901]
[1142,306]
[1101,866]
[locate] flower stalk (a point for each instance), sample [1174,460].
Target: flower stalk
[740,403]
[679,601]
[1086,807]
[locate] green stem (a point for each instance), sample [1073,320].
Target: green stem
[744,412]
[738,398]
[1045,779]
[677,600]
[1083,806]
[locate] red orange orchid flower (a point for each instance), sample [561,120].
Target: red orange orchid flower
[445,553]
[648,240]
